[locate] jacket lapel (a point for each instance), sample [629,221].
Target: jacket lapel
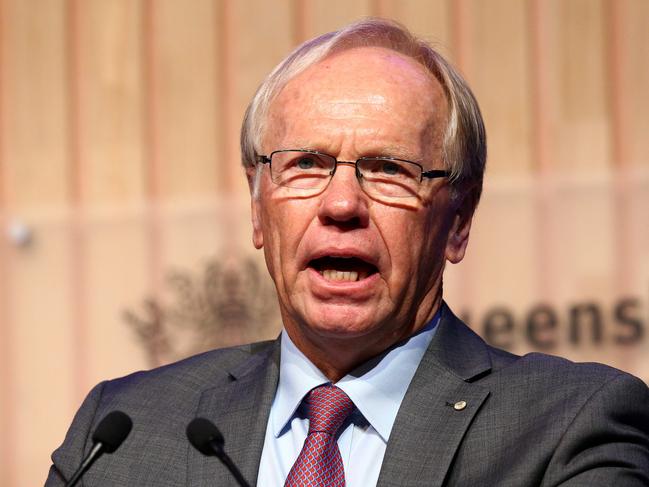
[438,407]
[239,407]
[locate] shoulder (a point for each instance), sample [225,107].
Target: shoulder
[160,401]
[551,369]
[558,375]
[537,388]
[462,351]
[180,380]
[544,383]
[530,371]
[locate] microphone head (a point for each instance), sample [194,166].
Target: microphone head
[112,430]
[204,436]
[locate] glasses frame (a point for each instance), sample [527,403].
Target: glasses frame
[431,174]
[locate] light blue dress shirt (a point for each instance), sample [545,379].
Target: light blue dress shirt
[377,394]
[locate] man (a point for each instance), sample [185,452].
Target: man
[364,152]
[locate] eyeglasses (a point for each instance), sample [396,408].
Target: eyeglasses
[378,176]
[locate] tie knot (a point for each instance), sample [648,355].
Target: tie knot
[328,407]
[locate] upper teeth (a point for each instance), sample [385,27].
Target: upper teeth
[335,275]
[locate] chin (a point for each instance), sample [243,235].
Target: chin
[341,321]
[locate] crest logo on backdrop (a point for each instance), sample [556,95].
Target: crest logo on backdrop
[229,302]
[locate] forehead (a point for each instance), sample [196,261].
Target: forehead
[369,91]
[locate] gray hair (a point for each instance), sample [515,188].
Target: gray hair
[464,145]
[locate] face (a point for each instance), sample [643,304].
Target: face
[354,273]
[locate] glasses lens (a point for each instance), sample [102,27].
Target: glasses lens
[301,170]
[388,177]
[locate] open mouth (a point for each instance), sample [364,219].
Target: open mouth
[348,269]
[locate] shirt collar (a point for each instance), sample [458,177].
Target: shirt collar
[377,387]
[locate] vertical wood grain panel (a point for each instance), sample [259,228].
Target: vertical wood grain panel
[583,243]
[429,20]
[541,62]
[6,378]
[262,34]
[117,277]
[6,350]
[571,86]
[185,75]
[250,37]
[44,362]
[618,60]
[632,153]
[498,72]
[225,90]
[77,233]
[300,12]
[3,44]
[571,144]
[110,90]
[501,81]
[35,140]
[151,149]
[110,147]
[461,23]
[149,101]
[7,431]
[582,129]
[35,154]
[631,89]
[328,15]
[583,239]
[628,38]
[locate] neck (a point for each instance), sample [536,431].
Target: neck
[336,356]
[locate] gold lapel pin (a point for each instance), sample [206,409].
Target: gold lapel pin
[459,406]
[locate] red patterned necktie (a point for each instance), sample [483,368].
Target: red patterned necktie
[319,463]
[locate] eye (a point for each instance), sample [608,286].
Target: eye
[390,168]
[305,163]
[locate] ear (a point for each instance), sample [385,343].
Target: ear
[255,209]
[458,237]
[257,233]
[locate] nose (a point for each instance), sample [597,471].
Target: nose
[343,202]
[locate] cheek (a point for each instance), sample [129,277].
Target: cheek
[285,224]
[436,235]
[413,241]
[402,235]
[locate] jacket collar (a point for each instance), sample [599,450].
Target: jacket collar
[239,404]
[438,408]
[458,349]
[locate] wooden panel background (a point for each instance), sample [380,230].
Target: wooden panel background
[119,156]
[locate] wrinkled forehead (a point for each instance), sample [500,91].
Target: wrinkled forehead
[358,82]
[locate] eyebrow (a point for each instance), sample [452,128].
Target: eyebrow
[396,151]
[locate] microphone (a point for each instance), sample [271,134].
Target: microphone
[207,439]
[111,431]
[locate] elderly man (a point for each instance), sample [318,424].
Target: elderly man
[364,152]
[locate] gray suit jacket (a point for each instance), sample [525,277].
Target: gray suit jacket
[532,420]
